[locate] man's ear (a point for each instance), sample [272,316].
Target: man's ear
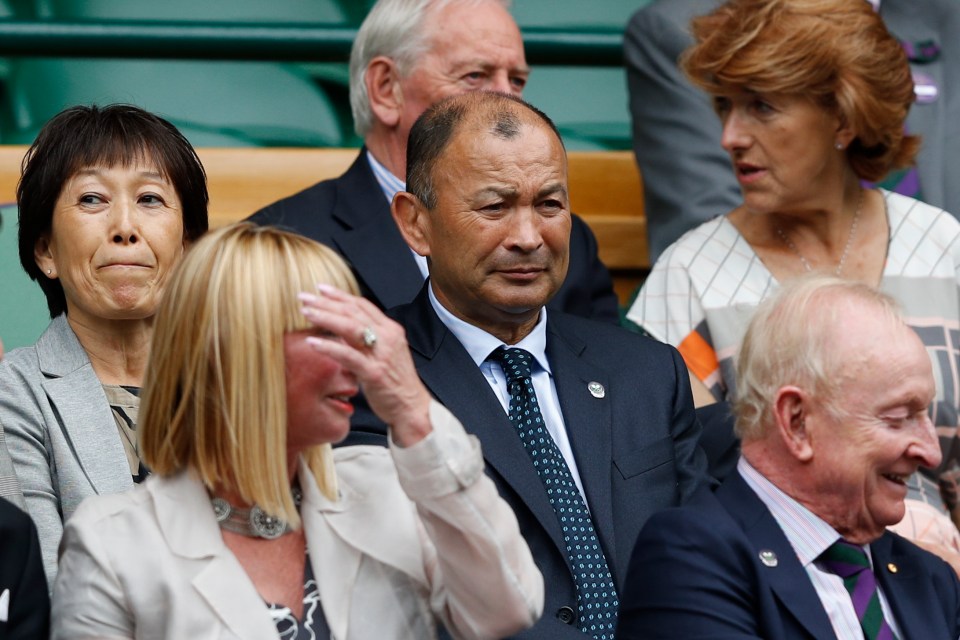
[383,90]
[44,258]
[790,408]
[413,221]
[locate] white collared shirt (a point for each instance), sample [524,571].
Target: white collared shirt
[810,536]
[390,185]
[480,344]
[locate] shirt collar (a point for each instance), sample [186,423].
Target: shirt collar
[389,183]
[808,534]
[480,344]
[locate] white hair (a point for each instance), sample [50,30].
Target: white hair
[393,28]
[789,341]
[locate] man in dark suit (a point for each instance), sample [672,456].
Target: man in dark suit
[487,205]
[688,177]
[24,598]
[408,54]
[832,414]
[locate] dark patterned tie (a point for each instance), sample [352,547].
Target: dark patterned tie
[596,595]
[849,561]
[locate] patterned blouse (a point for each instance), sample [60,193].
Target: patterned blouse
[313,626]
[704,289]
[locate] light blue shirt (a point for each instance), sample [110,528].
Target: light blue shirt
[480,344]
[390,185]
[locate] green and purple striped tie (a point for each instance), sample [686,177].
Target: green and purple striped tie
[850,562]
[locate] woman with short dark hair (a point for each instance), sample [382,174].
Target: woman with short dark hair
[109,198]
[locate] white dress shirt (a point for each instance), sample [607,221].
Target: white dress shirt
[480,344]
[810,536]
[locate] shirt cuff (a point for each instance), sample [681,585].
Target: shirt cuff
[446,461]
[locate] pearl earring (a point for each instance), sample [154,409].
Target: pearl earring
[839,146]
[49,271]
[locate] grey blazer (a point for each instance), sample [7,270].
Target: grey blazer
[60,432]
[9,485]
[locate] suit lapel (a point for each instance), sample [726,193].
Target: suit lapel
[190,529]
[453,378]
[588,423]
[76,395]
[788,580]
[908,590]
[370,240]
[333,555]
[339,535]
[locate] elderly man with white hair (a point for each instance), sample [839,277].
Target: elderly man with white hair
[832,413]
[408,55]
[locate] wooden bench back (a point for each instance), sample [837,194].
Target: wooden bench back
[605,189]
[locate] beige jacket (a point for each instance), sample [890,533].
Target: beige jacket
[417,535]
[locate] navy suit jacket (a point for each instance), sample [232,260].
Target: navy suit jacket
[696,573]
[351,215]
[636,448]
[22,582]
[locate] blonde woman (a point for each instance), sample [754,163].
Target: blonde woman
[251,525]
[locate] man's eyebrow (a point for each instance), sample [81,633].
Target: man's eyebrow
[503,192]
[554,187]
[486,65]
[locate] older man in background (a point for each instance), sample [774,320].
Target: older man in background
[409,54]
[832,413]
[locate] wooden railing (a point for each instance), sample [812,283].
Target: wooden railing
[605,189]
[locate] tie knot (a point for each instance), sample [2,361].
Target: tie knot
[514,362]
[844,559]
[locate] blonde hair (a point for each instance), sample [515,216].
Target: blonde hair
[215,392]
[789,342]
[838,53]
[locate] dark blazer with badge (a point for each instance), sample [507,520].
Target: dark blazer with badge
[688,178]
[351,215]
[24,602]
[709,581]
[636,446]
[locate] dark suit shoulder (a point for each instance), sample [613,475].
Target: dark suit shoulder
[706,581]
[14,522]
[311,212]
[588,288]
[702,522]
[611,342]
[291,212]
[938,569]
[22,580]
